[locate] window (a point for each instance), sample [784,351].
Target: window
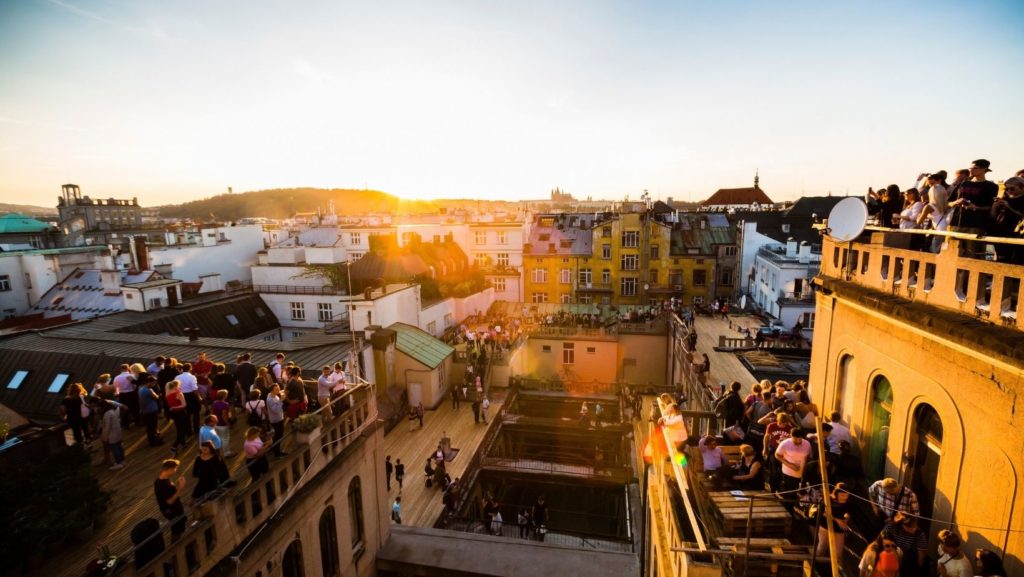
[298,311]
[844,384]
[630,262]
[539,275]
[499,284]
[730,251]
[591,350]
[606,251]
[291,563]
[480,260]
[502,237]
[629,287]
[545,348]
[354,256]
[154,303]
[58,382]
[232,319]
[503,259]
[654,276]
[432,328]
[355,514]
[16,380]
[878,440]
[675,277]
[586,299]
[324,312]
[700,277]
[725,277]
[808,320]
[565,298]
[568,353]
[565,276]
[630,239]
[606,232]
[585,277]
[540,297]
[328,543]
[606,276]
[654,251]
[448,318]
[408,237]
[355,238]
[480,237]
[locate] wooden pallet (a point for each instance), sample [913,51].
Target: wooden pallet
[736,565]
[732,513]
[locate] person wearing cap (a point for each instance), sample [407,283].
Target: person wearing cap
[888,497]
[972,202]
[952,561]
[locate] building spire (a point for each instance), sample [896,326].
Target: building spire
[757,179]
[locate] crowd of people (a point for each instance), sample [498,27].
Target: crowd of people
[971,204]
[204,401]
[776,428]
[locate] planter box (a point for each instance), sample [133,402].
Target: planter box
[307,438]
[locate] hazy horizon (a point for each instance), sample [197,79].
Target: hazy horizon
[453,99]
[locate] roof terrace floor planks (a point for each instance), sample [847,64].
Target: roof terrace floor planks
[421,506]
[133,498]
[725,367]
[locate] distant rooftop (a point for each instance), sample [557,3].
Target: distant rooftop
[14,222]
[420,345]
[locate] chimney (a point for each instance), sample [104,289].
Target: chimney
[142,252]
[193,334]
[111,280]
[805,252]
[791,247]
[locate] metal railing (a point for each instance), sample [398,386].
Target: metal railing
[285,289]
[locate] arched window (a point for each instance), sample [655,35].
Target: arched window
[291,564]
[881,415]
[844,385]
[328,543]
[926,445]
[355,513]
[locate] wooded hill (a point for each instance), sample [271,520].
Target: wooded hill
[285,202]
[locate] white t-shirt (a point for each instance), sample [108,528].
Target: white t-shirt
[956,567]
[792,452]
[840,432]
[912,212]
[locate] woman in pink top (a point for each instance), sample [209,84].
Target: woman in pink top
[255,453]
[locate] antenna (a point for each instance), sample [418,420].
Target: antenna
[847,220]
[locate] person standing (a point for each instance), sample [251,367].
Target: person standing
[76,411]
[792,454]
[396,510]
[245,373]
[111,433]
[209,470]
[840,522]
[208,432]
[149,406]
[127,395]
[324,384]
[202,369]
[255,453]
[476,408]
[389,469]
[484,405]
[540,517]
[168,497]
[455,397]
[276,369]
[221,411]
[952,561]
[420,411]
[176,407]
[275,415]
[399,473]
[190,389]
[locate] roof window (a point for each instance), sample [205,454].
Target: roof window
[58,383]
[17,379]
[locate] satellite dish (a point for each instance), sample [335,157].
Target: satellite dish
[847,220]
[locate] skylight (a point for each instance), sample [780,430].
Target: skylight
[17,379]
[58,383]
[232,320]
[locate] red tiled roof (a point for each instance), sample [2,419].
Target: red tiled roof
[726,196]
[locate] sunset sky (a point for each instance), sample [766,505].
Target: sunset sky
[177,100]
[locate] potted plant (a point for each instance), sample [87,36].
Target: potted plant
[5,429]
[307,428]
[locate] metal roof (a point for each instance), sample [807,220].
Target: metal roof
[20,223]
[419,345]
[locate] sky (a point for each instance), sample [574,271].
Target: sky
[174,101]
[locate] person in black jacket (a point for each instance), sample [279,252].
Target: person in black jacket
[730,407]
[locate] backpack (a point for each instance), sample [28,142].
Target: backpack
[255,418]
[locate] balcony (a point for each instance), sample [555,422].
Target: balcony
[792,298]
[225,522]
[594,287]
[950,281]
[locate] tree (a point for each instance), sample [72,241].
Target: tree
[334,275]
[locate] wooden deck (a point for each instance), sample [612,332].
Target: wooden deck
[421,506]
[725,367]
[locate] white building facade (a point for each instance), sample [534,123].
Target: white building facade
[782,283]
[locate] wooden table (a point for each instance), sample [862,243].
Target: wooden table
[732,510]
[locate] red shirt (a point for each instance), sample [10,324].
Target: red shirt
[776,433]
[175,400]
[201,369]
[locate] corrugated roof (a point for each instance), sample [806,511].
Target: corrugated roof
[690,235]
[419,345]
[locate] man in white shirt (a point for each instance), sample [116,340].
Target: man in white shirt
[793,454]
[840,433]
[711,454]
[189,387]
[952,561]
[339,384]
[127,395]
[323,392]
[277,367]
